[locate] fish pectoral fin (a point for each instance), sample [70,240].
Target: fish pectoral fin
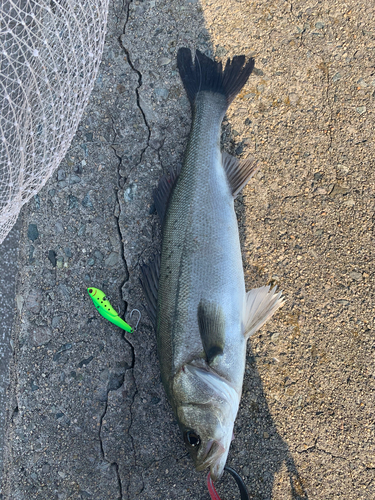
[260,304]
[150,284]
[239,172]
[211,322]
[163,192]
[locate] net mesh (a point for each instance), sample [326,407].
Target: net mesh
[50,52]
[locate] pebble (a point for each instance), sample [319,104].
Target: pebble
[55,321]
[34,300]
[19,301]
[112,259]
[221,51]
[163,61]
[74,179]
[86,202]
[344,302]
[162,93]
[349,202]
[40,336]
[361,82]
[32,232]
[85,362]
[61,175]
[129,192]
[59,227]
[337,190]
[52,257]
[98,255]
[78,168]
[72,202]
[356,276]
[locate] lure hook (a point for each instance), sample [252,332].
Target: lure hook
[241,485]
[139,318]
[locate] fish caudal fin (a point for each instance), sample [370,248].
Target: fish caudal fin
[208,75]
[260,305]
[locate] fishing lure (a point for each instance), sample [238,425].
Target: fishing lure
[106,310]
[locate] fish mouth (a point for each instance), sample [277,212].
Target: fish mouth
[213,452]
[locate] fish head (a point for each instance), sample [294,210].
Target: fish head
[206,410]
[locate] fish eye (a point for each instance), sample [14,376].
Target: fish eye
[90,290]
[192,438]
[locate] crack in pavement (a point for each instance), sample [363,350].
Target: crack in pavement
[102,452]
[117,217]
[139,74]
[126,6]
[131,435]
[315,447]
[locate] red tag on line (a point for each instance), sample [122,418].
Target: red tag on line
[211,488]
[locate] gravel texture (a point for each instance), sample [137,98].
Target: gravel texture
[8,273]
[87,414]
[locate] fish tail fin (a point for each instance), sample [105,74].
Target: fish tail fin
[204,74]
[260,305]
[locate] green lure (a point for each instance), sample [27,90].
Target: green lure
[106,310]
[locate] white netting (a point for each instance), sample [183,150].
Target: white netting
[50,52]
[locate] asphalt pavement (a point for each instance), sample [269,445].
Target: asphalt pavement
[87,414]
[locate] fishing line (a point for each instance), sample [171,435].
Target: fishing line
[240,483]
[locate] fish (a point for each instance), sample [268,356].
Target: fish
[195,288]
[104,307]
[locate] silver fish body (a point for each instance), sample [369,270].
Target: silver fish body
[203,314]
[201,255]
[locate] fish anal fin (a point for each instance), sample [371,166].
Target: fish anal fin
[150,283]
[211,322]
[260,305]
[239,172]
[163,192]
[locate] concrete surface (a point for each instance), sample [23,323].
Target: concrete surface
[87,415]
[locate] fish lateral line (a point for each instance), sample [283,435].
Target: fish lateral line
[106,310]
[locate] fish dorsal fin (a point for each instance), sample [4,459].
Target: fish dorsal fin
[150,284]
[211,322]
[163,192]
[260,304]
[239,172]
